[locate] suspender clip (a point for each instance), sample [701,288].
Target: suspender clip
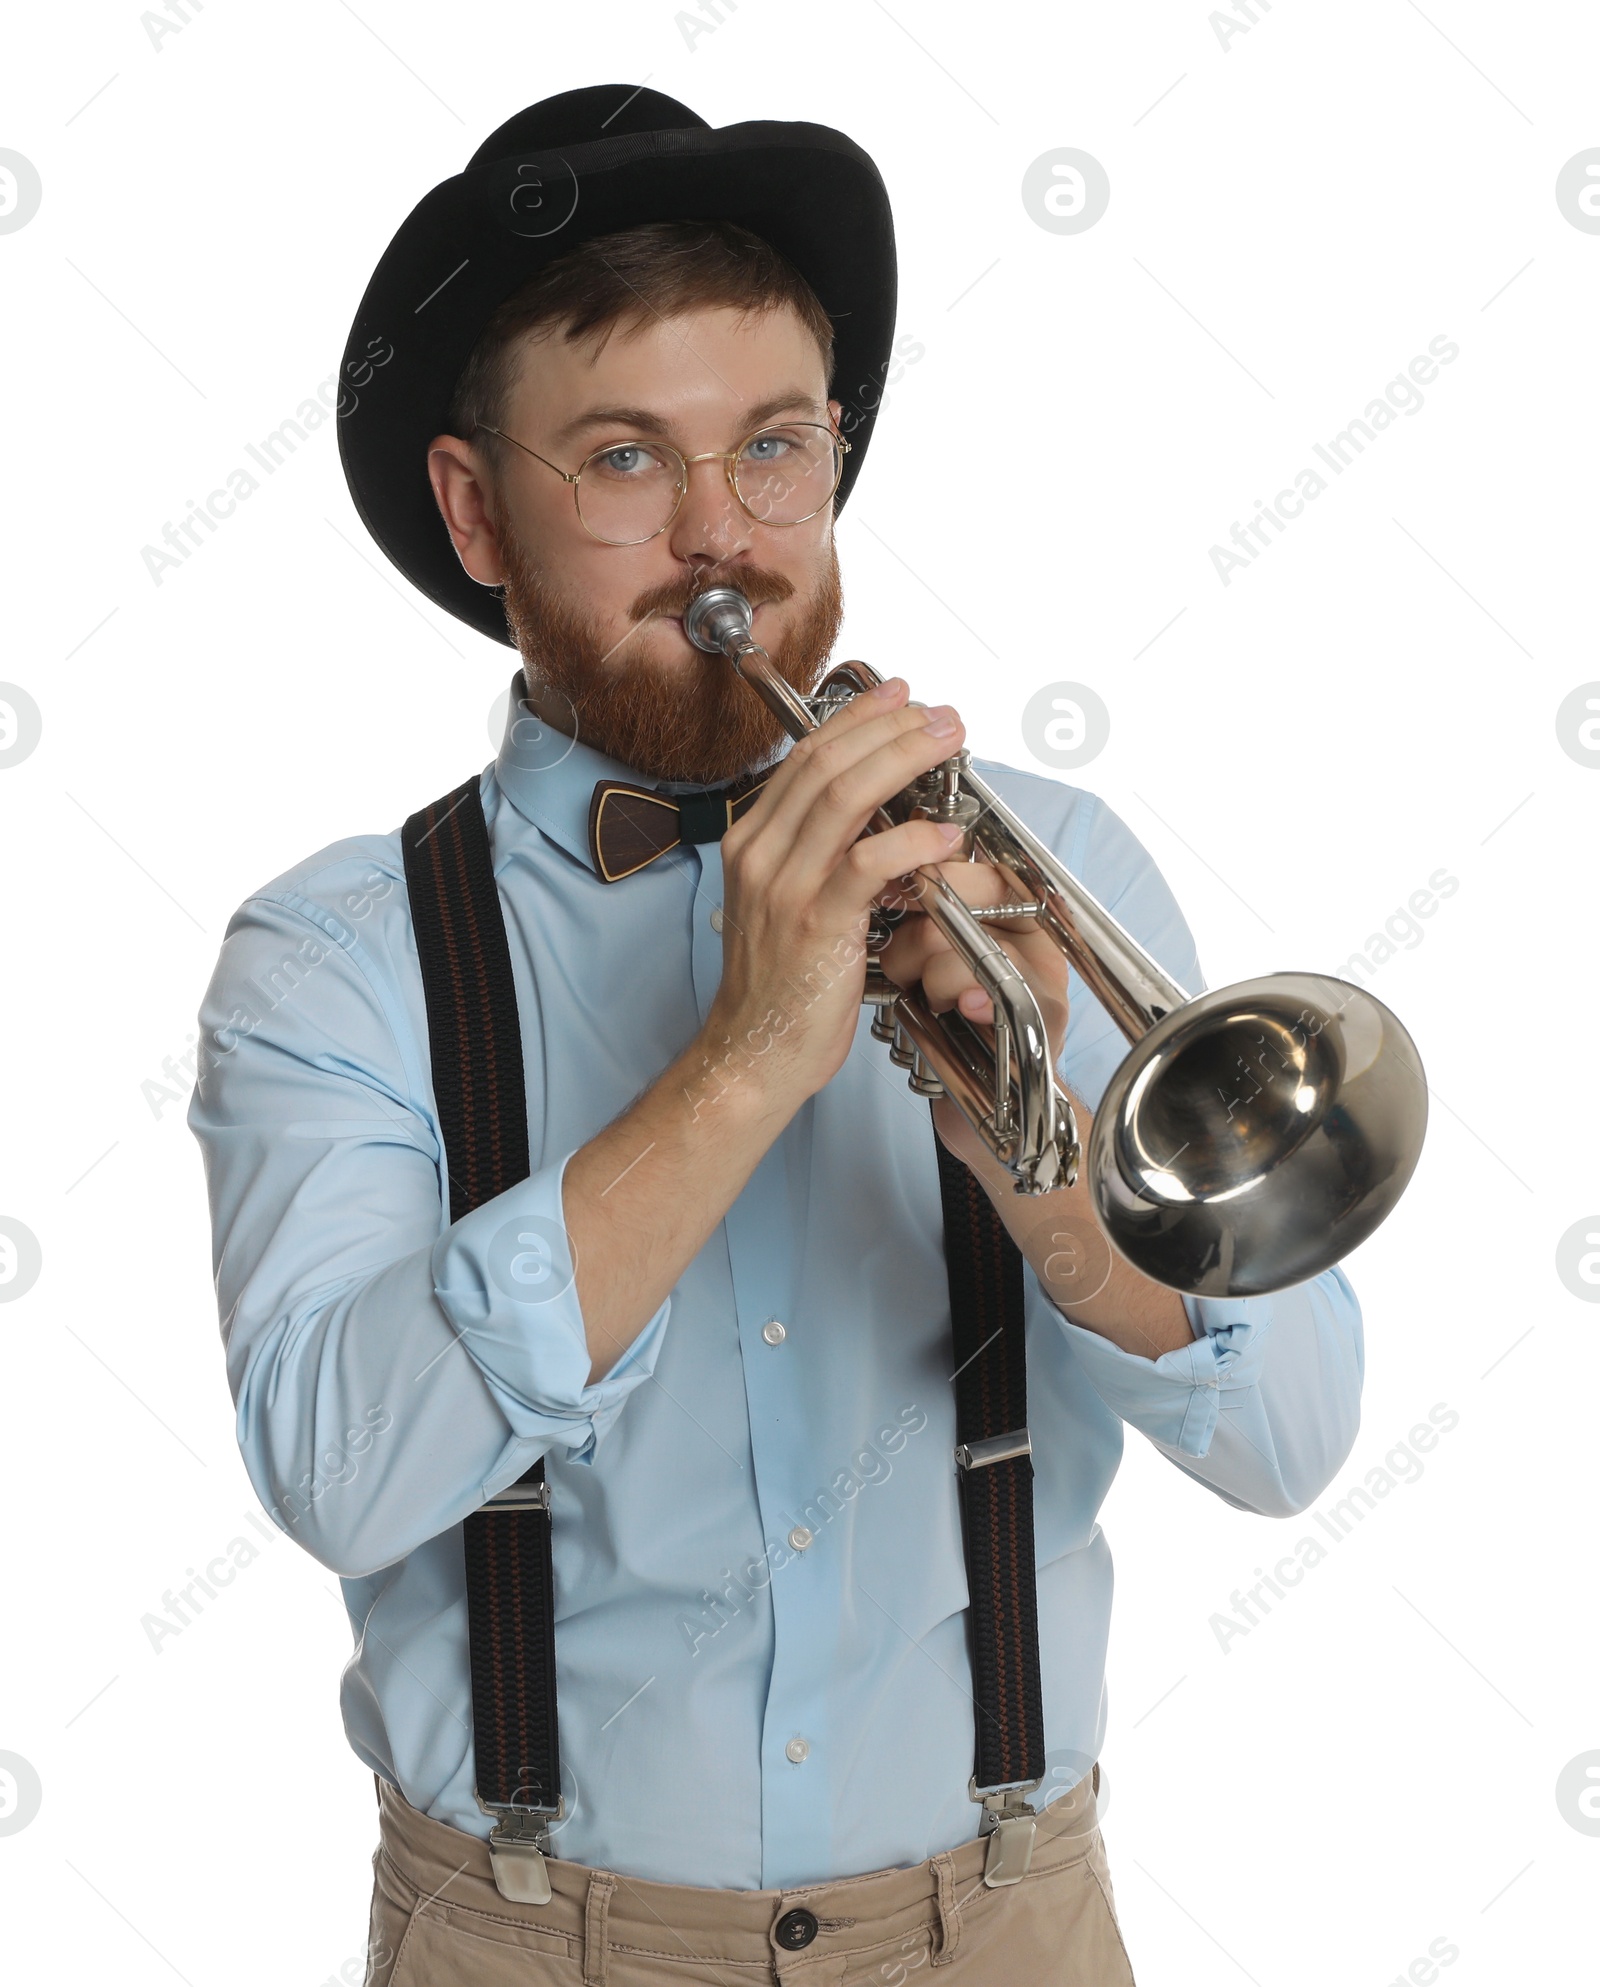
[520,1497]
[994,1449]
[1010,1825]
[517,1849]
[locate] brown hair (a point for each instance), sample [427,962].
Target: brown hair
[660,268]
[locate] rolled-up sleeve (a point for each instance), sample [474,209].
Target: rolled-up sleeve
[504,1276]
[1264,1404]
[389,1371]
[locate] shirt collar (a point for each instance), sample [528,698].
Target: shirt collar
[550,778]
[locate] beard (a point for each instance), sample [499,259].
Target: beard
[706,727]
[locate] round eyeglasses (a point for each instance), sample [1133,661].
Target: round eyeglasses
[627,492]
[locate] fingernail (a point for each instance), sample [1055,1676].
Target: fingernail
[889,687]
[941,721]
[952,831]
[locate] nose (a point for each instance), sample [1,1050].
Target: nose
[711,524]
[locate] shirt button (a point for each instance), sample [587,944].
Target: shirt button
[773,1332]
[800,1538]
[798,1750]
[716,917]
[795,1930]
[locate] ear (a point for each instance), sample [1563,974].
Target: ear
[460,479]
[835,409]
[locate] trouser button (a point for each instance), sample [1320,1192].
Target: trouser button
[795,1930]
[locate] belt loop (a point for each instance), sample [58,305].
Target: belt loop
[949,1910]
[1097,1776]
[596,1950]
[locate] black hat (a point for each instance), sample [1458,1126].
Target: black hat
[578,165]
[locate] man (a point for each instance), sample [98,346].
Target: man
[609,365]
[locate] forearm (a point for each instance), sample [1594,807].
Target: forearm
[642,1197]
[1088,1281]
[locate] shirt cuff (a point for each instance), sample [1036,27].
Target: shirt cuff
[505,1277]
[1176,1399]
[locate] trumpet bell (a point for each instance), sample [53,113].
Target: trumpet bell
[1257,1135]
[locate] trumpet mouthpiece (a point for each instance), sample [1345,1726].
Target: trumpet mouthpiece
[718,620]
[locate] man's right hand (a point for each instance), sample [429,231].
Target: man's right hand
[799,879]
[643,1195]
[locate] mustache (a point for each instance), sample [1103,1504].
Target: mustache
[758,584]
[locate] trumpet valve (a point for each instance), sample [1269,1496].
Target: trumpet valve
[902,1050]
[937,797]
[922,1079]
[881,993]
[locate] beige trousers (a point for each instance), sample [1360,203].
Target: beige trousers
[439,1921]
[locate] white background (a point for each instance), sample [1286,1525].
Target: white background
[1292,218]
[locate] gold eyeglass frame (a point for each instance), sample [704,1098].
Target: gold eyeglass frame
[728,457]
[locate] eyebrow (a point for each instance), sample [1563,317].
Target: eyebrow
[644,422]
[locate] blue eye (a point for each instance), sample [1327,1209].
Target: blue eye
[626,459]
[769,447]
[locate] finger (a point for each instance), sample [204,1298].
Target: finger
[946,971]
[841,776]
[981,884]
[891,695]
[841,780]
[946,978]
[915,942]
[919,937]
[868,867]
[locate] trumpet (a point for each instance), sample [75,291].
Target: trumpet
[1251,1137]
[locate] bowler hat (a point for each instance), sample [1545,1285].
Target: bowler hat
[579,165]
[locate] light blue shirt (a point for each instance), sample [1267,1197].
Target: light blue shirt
[386,1384]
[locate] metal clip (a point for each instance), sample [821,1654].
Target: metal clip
[517,1849]
[994,1449]
[520,1497]
[1010,1825]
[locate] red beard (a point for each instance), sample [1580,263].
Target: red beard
[706,728]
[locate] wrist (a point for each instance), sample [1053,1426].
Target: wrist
[736,1064]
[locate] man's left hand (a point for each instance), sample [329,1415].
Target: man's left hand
[920,952]
[1088,1281]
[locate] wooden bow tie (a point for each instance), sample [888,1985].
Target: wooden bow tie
[629,826]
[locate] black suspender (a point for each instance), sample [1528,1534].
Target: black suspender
[475,1049]
[475,1046]
[984,1270]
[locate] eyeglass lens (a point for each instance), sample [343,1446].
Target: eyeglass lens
[628,491]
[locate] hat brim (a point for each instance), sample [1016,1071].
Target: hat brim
[806,189]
